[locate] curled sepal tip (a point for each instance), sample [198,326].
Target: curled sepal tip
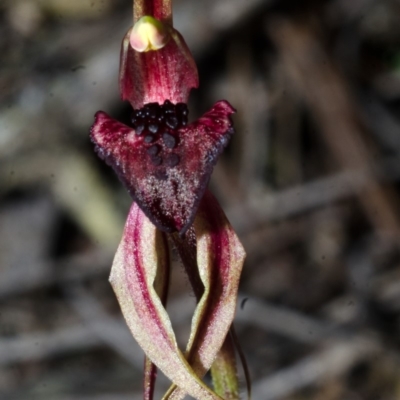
[220,258]
[141,253]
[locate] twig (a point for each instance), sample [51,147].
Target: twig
[316,79]
[297,200]
[285,322]
[72,269]
[38,346]
[116,336]
[335,360]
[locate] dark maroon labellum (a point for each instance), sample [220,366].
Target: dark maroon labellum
[153,150]
[172,122]
[172,160]
[165,163]
[140,128]
[169,140]
[153,127]
[156,160]
[149,138]
[154,117]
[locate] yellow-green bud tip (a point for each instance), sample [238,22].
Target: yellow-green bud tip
[149,34]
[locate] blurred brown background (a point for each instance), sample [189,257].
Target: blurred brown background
[310,182]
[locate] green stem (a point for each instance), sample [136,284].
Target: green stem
[224,372]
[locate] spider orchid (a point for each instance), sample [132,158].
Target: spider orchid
[165,163]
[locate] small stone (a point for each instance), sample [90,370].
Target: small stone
[153,127]
[156,160]
[169,140]
[172,160]
[153,150]
[172,122]
[149,138]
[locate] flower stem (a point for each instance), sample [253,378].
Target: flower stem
[224,372]
[186,247]
[160,9]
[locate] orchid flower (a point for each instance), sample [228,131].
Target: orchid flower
[165,163]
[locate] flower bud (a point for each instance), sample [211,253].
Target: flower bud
[147,34]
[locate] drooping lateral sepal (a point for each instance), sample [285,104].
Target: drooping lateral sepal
[161,286]
[155,76]
[166,172]
[141,253]
[220,258]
